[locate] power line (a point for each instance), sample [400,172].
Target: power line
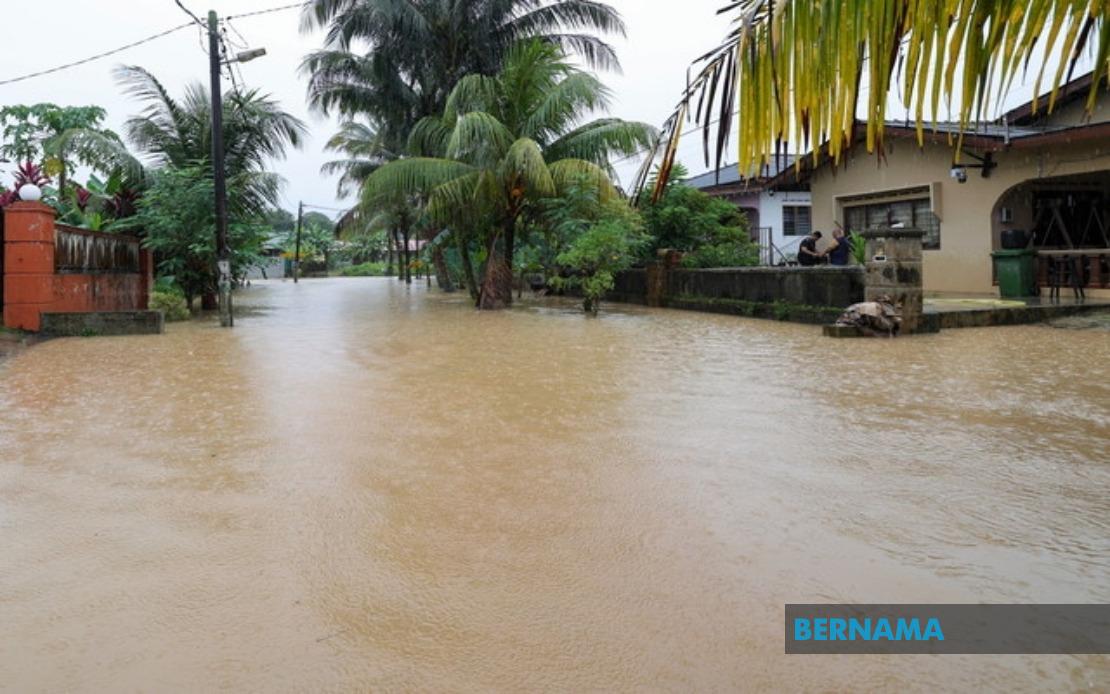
[328,209]
[98,56]
[189,12]
[140,42]
[269,11]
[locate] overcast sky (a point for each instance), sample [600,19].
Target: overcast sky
[664,36]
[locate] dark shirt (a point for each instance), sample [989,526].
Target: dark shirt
[840,254]
[806,259]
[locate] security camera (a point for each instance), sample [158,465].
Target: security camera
[959,173]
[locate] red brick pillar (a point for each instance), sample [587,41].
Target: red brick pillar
[146,278]
[28,264]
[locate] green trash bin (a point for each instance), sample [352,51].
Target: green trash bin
[1016,273]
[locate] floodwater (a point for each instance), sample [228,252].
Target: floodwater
[369,487]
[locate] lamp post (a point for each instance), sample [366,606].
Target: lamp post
[219,175]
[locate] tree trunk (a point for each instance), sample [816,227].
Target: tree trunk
[443,276]
[407,256]
[468,267]
[497,281]
[389,254]
[510,247]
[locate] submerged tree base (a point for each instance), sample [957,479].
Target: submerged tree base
[497,285]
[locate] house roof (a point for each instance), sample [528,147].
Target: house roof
[729,175]
[1017,129]
[1074,90]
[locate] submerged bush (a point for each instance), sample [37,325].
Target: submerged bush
[171,304]
[364,270]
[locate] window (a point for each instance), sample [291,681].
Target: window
[797,220]
[911,212]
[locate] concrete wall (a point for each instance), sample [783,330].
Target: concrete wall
[834,288]
[963,262]
[33,285]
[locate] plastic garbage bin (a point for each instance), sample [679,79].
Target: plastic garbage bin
[1016,273]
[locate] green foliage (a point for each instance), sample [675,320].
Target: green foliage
[595,256]
[504,145]
[419,49]
[731,247]
[365,247]
[176,216]
[172,305]
[37,133]
[178,133]
[859,248]
[167,285]
[711,231]
[364,270]
[280,220]
[318,242]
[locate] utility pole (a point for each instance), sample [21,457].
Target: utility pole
[297,250]
[219,177]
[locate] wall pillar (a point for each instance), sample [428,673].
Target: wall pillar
[894,269]
[146,278]
[28,264]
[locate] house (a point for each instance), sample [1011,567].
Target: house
[1044,174]
[779,216]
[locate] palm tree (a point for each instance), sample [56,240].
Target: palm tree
[505,142]
[178,133]
[419,49]
[364,150]
[794,70]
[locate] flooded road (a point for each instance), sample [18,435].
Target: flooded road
[368,487]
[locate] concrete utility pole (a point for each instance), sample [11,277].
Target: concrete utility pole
[219,176]
[297,250]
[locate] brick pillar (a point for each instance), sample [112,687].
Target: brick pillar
[894,269]
[146,278]
[28,264]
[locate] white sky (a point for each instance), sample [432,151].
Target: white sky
[664,36]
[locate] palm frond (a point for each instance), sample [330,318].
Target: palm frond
[601,140]
[411,176]
[795,70]
[568,172]
[563,104]
[479,139]
[525,170]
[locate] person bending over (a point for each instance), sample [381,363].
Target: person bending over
[807,251]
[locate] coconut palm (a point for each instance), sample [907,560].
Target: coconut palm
[178,133]
[795,69]
[419,49]
[504,143]
[364,150]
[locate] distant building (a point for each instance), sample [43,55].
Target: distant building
[1048,175]
[778,217]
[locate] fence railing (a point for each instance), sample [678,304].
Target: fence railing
[1090,267]
[771,253]
[80,251]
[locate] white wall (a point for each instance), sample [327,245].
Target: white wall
[770,215]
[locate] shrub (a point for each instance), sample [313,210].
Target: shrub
[595,257]
[364,270]
[731,254]
[171,304]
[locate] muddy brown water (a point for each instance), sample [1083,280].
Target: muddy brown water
[368,487]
